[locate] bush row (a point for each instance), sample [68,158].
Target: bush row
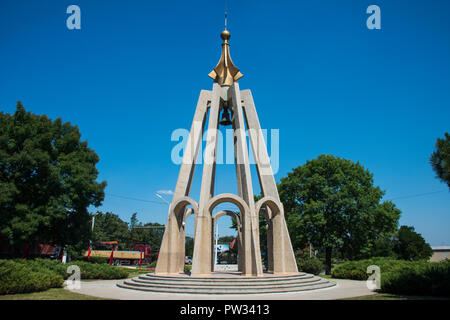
[88,270]
[17,277]
[432,278]
[310,265]
[357,270]
[401,276]
[22,276]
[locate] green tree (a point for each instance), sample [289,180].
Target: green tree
[410,245]
[189,246]
[225,239]
[333,204]
[151,233]
[47,181]
[109,227]
[440,159]
[134,221]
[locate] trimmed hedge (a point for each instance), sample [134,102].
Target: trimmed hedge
[19,277]
[88,270]
[431,279]
[310,265]
[22,276]
[357,270]
[401,276]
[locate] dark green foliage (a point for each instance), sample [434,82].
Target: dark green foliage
[47,181]
[432,278]
[97,260]
[333,204]
[99,271]
[310,265]
[382,247]
[357,269]
[440,159]
[22,277]
[409,245]
[189,246]
[109,227]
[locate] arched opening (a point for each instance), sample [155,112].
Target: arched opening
[249,253]
[266,238]
[172,254]
[189,232]
[226,240]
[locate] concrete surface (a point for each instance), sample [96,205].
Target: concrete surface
[108,289]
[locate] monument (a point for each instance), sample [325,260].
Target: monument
[238,110]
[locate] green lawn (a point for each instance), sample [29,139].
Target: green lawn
[136,272]
[50,294]
[388,296]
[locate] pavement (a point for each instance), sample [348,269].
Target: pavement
[107,289]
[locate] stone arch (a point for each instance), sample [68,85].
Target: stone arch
[228,197]
[177,218]
[215,217]
[274,205]
[177,207]
[244,210]
[228,213]
[274,210]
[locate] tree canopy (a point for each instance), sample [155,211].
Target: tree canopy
[47,181]
[332,203]
[410,245]
[440,159]
[110,227]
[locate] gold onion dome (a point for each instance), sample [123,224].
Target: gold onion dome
[225,73]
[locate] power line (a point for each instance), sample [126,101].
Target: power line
[416,195]
[135,199]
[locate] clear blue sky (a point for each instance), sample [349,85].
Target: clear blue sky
[134,71]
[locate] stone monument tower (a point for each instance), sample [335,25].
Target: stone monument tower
[237,109]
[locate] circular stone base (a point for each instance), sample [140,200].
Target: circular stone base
[226,283]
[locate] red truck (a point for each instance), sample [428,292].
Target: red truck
[141,254]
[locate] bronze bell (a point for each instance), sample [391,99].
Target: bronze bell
[226,118]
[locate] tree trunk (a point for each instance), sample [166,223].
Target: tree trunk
[328,260]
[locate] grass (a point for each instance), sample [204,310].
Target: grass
[50,294]
[137,272]
[388,296]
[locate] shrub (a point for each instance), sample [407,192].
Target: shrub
[357,270]
[99,271]
[401,276]
[431,278]
[153,264]
[310,265]
[187,268]
[19,277]
[22,276]
[97,260]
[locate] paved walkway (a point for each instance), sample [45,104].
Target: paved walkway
[108,289]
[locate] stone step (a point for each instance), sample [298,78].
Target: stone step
[226,278]
[228,283]
[243,281]
[321,284]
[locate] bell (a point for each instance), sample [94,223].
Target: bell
[225,121]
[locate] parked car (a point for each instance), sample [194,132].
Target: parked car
[188,260]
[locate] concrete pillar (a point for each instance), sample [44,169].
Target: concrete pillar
[201,264]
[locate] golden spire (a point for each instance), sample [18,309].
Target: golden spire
[225,73]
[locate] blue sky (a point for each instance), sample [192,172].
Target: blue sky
[134,71]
